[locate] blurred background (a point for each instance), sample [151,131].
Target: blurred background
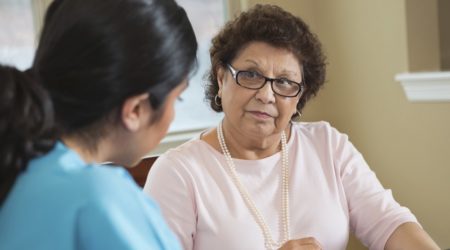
[405,140]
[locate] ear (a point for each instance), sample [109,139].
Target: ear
[220,79]
[135,112]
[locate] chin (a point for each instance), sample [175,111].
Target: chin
[262,128]
[132,163]
[129,162]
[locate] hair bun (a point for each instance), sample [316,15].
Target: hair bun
[26,121]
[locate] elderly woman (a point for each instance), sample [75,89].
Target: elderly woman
[260,180]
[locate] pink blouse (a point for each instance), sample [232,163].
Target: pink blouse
[332,192]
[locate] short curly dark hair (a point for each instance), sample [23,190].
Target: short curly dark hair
[277,27]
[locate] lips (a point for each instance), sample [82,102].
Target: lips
[261,114]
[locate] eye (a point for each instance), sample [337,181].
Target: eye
[283,81]
[249,74]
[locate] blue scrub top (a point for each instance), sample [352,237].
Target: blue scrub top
[60,202]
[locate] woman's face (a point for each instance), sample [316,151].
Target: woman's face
[151,134]
[159,128]
[259,112]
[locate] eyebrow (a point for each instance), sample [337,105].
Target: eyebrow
[284,71]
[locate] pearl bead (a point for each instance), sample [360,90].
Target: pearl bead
[269,242]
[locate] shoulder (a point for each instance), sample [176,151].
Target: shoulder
[323,138]
[64,167]
[318,131]
[111,191]
[313,127]
[108,185]
[98,176]
[188,152]
[117,214]
[183,163]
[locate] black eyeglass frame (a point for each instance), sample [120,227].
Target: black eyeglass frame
[235,73]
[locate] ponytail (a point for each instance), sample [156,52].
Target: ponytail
[26,124]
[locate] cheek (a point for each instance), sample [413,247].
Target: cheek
[238,98]
[172,115]
[228,100]
[163,124]
[287,109]
[169,116]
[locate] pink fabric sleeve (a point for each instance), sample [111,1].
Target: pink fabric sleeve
[374,214]
[167,184]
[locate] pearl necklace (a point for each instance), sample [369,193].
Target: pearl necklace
[268,240]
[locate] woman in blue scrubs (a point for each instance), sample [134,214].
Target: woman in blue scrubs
[101,89]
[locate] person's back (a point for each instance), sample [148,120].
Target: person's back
[73,203]
[101,89]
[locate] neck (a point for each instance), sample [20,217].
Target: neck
[242,146]
[88,154]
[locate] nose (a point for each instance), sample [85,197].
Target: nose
[266,94]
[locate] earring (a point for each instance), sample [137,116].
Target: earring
[217,101]
[299,114]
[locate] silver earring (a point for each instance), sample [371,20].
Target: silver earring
[299,114]
[217,101]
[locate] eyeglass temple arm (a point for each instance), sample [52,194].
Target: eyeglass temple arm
[232,70]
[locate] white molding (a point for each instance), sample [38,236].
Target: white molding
[426,86]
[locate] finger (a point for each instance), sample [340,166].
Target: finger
[303,243]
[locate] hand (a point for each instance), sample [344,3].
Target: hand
[309,243]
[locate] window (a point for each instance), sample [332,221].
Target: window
[21,20]
[193,114]
[17,37]
[207,16]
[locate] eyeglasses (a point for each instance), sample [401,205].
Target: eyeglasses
[254,80]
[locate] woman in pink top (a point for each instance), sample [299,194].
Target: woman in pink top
[261,181]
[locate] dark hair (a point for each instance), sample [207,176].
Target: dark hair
[277,27]
[92,56]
